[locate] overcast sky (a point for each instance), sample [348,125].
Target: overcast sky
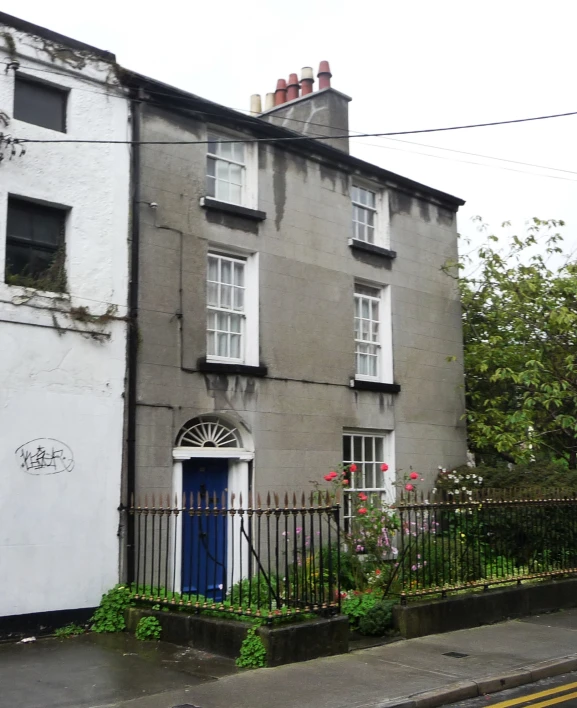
[407,65]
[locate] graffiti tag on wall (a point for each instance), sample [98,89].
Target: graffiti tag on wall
[45,456]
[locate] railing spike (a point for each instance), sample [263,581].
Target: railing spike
[294,500]
[276,500]
[302,500]
[153,504]
[232,500]
[240,500]
[311,499]
[258,501]
[327,498]
[268,500]
[168,501]
[215,499]
[198,501]
[286,500]
[132,500]
[223,500]
[146,501]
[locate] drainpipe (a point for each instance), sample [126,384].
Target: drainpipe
[132,349]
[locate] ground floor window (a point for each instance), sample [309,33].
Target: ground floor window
[368,451]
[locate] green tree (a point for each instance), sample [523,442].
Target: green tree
[520,330]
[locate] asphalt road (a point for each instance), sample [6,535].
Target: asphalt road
[559,691]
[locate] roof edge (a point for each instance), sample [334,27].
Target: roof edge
[29,27]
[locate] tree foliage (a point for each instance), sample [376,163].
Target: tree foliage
[520,329]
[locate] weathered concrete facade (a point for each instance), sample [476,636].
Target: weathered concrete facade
[294,415]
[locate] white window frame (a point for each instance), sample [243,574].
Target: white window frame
[385,340]
[357,484]
[381,212]
[249,187]
[249,354]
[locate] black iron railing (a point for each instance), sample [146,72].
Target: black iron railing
[482,538]
[263,559]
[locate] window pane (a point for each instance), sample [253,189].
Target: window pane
[226,296]
[235,346]
[238,152]
[235,194]
[365,308]
[211,320]
[40,104]
[235,174]
[346,448]
[379,450]
[212,144]
[212,268]
[372,362]
[211,344]
[222,170]
[355,194]
[238,274]
[210,187]
[222,340]
[357,448]
[370,218]
[361,232]
[226,271]
[368,449]
[222,191]
[238,299]
[235,323]
[212,294]
[222,321]
[371,199]
[224,148]
[211,167]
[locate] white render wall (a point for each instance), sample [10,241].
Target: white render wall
[61,390]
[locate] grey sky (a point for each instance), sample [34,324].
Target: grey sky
[407,65]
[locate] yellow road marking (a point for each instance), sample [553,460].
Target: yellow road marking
[539,694]
[552,701]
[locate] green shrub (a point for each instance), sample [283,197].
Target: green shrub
[378,619]
[148,628]
[70,630]
[356,605]
[109,616]
[252,651]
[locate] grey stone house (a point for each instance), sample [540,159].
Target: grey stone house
[292,311]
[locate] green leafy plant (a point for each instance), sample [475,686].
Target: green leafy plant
[252,651]
[109,616]
[148,628]
[378,619]
[69,630]
[356,604]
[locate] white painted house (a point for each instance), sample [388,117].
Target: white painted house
[64,218]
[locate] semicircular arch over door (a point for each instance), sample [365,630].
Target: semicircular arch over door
[208,431]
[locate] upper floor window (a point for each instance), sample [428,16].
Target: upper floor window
[226,308]
[367,331]
[373,333]
[40,103]
[364,214]
[35,249]
[226,170]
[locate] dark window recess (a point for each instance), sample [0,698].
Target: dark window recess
[35,255]
[40,104]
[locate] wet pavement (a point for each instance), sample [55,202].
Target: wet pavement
[100,670]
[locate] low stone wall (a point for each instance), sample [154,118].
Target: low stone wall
[476,609]
[285,644]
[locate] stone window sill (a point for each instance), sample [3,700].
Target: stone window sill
[220,367]
[378,386]
[357,245]
[236,209]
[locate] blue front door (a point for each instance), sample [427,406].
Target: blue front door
[204,536]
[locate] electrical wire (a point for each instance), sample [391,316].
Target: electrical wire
[357,134]
[298,137]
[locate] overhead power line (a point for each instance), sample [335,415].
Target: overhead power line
[353,133]
[296,138]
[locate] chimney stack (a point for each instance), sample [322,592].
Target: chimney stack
[323,113]
[307,80]
[324,75]
[292,87]
[280,93]
[255,104]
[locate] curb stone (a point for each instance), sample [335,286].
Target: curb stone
[463,690]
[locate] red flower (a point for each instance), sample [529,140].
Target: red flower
[409,487]
[345,482]
[330,476]
[353,468]
[414,475]
[362,510]
[378,571]
[363,496]
[384,467]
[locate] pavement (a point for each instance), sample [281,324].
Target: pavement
[117,671]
